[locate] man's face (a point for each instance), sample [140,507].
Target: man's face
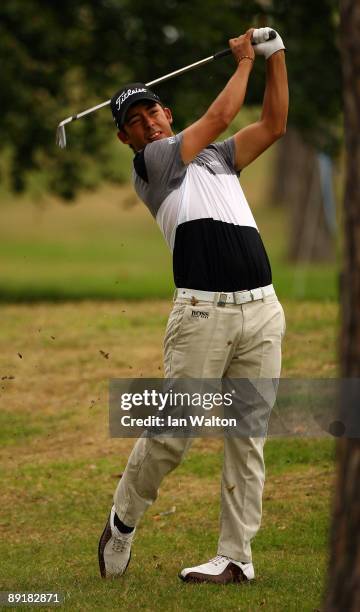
[145,122]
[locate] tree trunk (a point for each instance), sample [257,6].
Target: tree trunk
[297,185]
[343,592]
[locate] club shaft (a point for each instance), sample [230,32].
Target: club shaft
[61,138]
[166,77]
[202,62]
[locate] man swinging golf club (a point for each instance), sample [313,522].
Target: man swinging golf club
[190,184]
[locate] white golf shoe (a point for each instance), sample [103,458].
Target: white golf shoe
[114,549]
[221,570]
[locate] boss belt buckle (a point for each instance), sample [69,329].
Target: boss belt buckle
[222,299]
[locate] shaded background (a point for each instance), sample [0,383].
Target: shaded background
[60,59]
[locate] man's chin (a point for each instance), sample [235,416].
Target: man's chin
[159,136]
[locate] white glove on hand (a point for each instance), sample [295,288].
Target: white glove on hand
[263,45]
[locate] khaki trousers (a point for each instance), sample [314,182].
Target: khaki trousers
[235,341]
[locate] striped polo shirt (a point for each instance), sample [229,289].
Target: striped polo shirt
[204,216]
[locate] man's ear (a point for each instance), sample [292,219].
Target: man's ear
[123,137]
[168,114]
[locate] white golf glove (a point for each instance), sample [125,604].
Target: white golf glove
[263,45]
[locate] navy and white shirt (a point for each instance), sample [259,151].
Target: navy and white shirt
[204,216]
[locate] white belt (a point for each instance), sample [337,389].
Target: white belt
[221,298]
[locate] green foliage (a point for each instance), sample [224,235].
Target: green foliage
[314,67]
[60,58]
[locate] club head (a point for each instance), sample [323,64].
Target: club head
[61,136]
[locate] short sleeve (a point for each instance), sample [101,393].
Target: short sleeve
[226,149]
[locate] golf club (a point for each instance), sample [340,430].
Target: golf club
[60,132]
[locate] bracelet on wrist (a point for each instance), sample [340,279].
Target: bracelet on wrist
[246,57]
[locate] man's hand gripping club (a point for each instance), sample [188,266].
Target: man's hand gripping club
[242,48]
[264,45]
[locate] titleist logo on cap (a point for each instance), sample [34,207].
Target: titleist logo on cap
[126,94]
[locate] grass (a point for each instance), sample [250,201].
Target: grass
[59,467]
[56,499]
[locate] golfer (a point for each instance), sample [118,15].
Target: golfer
[190,183]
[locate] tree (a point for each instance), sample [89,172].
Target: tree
[303,182]
[344,567]
[60,58]
[314,127]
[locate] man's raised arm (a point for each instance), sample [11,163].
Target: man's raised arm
[226,106]
[252,140]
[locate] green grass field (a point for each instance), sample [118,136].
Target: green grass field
[59,467]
